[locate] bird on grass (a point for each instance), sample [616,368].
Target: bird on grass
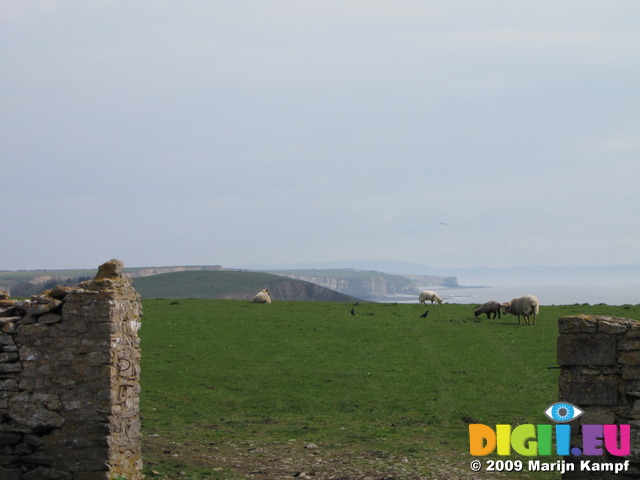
[424,315]
[353,311]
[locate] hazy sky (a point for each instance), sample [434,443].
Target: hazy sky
[243,132]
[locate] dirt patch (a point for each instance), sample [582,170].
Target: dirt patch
[295,460]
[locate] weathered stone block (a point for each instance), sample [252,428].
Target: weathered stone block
[630,372]
[577,324]
[33,440]
[111,269]
[50,318]
[33,415]
[612,325]
[630,357]
[10,367]
[589,390]
[10,473]
[6,357]
[587,349]
[39,308]
[8,325]
[628,344]
[91,476]
[8,438]
[634,330]
[9,385]
[38,459]
[594,416]
[43,473]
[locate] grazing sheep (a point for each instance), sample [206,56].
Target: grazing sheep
[527,306]
[490,308]
[429,295]
[262,297]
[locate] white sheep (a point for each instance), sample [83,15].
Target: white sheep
[429,295]
[490,308]
[262,297]
[527,306]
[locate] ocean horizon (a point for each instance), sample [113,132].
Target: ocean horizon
[557,290]
[553,285]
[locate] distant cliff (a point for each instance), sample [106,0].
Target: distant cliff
[24,283]
[368,285]
[234,285]
[214,281]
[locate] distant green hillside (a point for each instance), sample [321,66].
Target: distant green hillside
[226,284]
[23,283]
[370,285]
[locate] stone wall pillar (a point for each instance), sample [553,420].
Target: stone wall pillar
[69,382]
[600,373]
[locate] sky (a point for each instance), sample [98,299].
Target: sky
[448,133]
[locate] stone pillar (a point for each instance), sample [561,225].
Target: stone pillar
[69,382]
[600,373]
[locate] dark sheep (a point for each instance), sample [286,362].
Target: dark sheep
[491,307]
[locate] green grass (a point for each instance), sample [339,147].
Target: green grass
[220,372]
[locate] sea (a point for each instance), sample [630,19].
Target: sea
[553,285]
[557,290]
[548,295]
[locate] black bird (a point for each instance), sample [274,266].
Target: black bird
[424,315]
[353,312]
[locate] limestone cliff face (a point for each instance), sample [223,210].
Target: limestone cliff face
[305,291]
[295,290]
[374,286]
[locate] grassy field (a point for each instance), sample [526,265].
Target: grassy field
[235,390]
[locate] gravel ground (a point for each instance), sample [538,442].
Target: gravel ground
[310,461]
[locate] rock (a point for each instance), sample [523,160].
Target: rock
[42,473]
[8,303]
[59,292]
[34,414]
[8,324]
[50,318]
[11,473]
[40,308]
[111,269]
[23,307]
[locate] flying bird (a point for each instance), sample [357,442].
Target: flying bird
[444,224]
[424,315]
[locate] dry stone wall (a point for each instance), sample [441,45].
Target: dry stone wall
[69,382]
[600,372]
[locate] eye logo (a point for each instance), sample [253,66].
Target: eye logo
[563,412]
